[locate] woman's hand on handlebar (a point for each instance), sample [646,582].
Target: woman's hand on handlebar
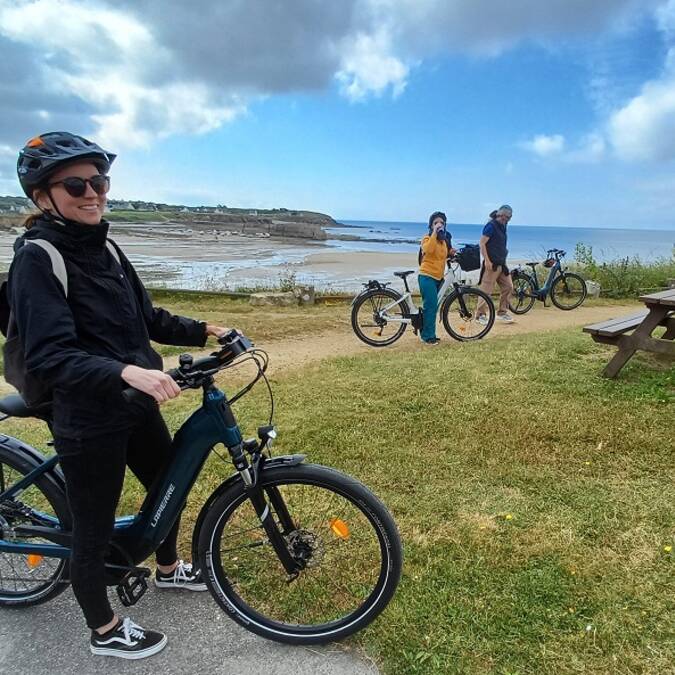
[154,383]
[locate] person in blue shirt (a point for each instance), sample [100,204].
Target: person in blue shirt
[494,270]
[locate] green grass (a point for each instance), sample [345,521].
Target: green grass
[534,498]
[262,325]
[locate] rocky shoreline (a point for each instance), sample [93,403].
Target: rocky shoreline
[278,223]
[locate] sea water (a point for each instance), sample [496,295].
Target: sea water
[524,242]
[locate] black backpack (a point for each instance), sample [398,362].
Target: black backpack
[33,391]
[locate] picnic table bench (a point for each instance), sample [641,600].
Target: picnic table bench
[660,312]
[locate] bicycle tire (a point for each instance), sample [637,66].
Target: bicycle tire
[372,301]
[562,290]
[41,498]
[524,294]
[261,579]
[467,322]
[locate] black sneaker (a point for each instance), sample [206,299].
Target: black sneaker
[128,641]
[182,577]
[432,341]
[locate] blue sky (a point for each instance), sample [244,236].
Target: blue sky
[368,109]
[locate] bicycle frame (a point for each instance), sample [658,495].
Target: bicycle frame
[138,536]
[543,291]
[450,279]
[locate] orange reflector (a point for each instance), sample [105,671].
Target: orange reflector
[339,528]
[35,142]
[34,559]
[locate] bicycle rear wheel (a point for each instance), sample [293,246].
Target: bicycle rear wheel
[343,536]
[524,294]
[29,579]
[459,316]
[377,317]
[568,291]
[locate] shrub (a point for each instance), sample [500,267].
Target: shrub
[623,277]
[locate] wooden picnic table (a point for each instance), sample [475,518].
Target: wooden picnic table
[660,312]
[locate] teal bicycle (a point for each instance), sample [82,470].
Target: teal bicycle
[295,552]
[566,289]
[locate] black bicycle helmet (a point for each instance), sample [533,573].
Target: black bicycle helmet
[46,153]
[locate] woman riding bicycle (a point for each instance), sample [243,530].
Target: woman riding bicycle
[87,345]
[436,246]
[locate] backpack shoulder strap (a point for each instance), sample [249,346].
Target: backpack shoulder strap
[113,250]
[58,264]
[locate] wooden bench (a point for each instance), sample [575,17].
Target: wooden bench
[660,312]
[613,327]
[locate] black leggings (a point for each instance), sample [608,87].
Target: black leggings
[94,471]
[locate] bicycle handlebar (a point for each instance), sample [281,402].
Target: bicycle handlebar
[191,374]
[558,252]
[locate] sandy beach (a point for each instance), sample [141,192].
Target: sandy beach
[177,257]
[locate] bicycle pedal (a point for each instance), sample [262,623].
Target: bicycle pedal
[133,586]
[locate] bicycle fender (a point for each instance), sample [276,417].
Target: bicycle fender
[450,297]
[33,458]
[281,460]
[373,284]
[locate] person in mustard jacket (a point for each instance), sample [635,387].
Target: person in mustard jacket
[436,247]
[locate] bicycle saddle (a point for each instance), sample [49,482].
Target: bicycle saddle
[14,406]
[403,275]
[532,264]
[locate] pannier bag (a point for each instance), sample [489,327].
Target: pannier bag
[468,257]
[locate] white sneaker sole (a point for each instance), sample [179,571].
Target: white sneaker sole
[180,587]
[107,651]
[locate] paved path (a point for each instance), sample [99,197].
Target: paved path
[51,639]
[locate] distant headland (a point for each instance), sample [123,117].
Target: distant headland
[279,222]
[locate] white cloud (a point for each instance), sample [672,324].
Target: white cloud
[545,146]
[129,111]
[644,128]
[589,149]
[368,67]
[135,70]
[592,148]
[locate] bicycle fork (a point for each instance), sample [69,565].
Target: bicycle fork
[265,509]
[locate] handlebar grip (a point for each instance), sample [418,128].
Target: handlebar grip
[131,394]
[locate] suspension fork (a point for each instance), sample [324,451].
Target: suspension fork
[256,495]
[460,296]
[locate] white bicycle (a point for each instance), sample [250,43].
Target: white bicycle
[381,314]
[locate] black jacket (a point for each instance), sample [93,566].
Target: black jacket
[79,345]
[496,244]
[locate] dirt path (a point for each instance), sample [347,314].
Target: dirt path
[289,353]
[296,352]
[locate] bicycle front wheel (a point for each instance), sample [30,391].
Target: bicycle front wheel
[568,291]
[377,317]
[460,317]
[29,579]
[524,294]
[343,537]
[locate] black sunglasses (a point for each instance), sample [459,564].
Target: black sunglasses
[76,187]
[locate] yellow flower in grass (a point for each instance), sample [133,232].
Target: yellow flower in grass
[668,548]
[508,516]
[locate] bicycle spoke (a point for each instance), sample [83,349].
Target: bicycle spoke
[336,570]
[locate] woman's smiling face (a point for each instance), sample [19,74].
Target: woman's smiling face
[87,209]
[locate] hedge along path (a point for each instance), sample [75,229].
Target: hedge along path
[294,352]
